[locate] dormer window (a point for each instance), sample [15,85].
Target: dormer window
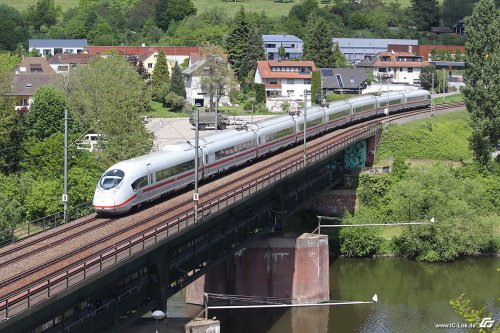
[29,85]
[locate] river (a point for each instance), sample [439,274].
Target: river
[413,297]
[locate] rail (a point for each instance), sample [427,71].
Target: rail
[42,224]
[21,300]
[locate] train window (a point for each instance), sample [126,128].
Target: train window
[111,179]
[338,115]
[395,101]
[140,183]
[162,174]
[279,134]
[180,168]
[233,150]
[311,123]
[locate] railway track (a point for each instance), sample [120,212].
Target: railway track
[158,214]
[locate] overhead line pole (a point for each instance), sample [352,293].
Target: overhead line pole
[65,194]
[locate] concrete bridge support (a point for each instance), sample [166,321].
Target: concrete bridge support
[285,266]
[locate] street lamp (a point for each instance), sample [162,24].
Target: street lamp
[158,315]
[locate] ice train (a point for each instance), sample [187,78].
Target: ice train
[135,181]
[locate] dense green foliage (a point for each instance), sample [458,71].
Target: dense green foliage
[44,12]
[463,204]
[13,28]
[160,80]
[173,10]
[260,92]
[315,48]
[177,82]
[425,14]
[316,87]
[46,115]
[482,77]
[440,137]
[455,10]
[120,92]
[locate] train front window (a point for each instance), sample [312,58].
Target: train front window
[111,179]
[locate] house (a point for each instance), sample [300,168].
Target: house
[63,63]
[427,51]
[181,54]
[293,46]
[31,73]
[343,80]
[195,94]
[357,49]
[49,47]
[395,67]
[284,80]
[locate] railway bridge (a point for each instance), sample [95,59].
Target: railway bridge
[107,284]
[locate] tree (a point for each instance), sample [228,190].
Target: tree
[237,44]
[339,59]
[456,10]
[428,76]
[13,29]
[177,84]
[10,215]
[108,96]
[317,42]
[215,74]
[482,77]
[173,10]
[46,115]
[160,77]
[425,14]
[471,315]
[282,52]
[44,12]
[254,51]
[9,117]
[316,87]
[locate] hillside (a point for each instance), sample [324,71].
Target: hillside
[271,8]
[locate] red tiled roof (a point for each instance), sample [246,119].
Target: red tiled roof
[265,71]
[393,60]
[140,50]
[64,58]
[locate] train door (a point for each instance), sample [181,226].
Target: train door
[150,177]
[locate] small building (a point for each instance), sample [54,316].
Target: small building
[31,73]
[357,49]
[63,63]
[293,46]
[284,80]
[195,92]
[395,67]
[50,47]
[343,80]
[426,51]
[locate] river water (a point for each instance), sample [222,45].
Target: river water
[413,297]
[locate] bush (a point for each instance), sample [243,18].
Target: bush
[360,241]
[175,102]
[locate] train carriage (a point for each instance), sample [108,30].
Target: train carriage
[390,102]
[363,107]
[227,149]
[316,123]
[416,99]
[274,133]
[338,114]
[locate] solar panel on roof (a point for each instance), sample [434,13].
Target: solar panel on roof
[327,72]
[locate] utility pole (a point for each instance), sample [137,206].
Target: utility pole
[216,109]
[196,145]
[305,127]
[65,194]
[432,95]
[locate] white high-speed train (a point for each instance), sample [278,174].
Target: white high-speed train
[129,183]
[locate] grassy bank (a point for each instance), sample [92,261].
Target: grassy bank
[442,137]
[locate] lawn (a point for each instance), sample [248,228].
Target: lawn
[442,137]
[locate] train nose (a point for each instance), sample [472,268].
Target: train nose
[104,203]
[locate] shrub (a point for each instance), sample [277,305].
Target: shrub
[175,102]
